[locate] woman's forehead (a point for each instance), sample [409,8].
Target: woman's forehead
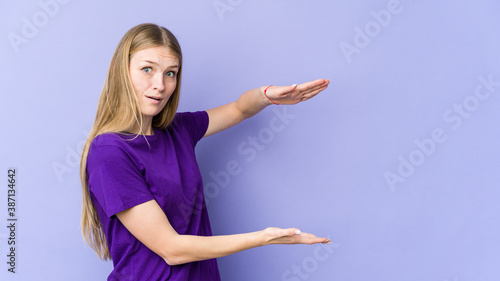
[156,54]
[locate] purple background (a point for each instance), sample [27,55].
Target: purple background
[398,75]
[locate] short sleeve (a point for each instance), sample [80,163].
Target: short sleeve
[195,123]
[115,179]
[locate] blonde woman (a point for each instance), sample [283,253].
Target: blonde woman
[138,166]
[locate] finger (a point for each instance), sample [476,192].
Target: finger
[316,83]
[327,241]
[306,88]
[318,88]
[289,232]
[289,89]
[277,92]
[311,94]
[306,96]
[311,84]
[313,236]
[313,240]
[308,235]
[293,231]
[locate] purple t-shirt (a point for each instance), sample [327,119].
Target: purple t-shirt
[124,172]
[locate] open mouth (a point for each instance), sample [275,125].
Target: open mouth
[154,98]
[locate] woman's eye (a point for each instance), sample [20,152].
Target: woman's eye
[147,69]
[170,74]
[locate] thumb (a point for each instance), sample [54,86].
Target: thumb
[292,231]
[290,88]
[277,92]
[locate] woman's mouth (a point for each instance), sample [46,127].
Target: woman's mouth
[155,100]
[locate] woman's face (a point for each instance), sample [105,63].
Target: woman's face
[153,72]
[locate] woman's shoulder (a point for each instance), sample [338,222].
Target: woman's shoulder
[110,139]
[194,124]
[109,147]
[190,117]
[118,144]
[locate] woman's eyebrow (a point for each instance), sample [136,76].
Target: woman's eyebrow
[151,62]
[155,63]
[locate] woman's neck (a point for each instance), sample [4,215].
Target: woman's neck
[147,128]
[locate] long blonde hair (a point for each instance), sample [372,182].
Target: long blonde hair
[118,111]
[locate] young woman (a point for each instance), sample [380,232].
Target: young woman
[143,204]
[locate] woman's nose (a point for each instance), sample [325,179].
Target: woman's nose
[158,83]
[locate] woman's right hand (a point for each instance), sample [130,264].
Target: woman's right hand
[275,235]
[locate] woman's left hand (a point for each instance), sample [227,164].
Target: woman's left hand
[275,235]
[295,93]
